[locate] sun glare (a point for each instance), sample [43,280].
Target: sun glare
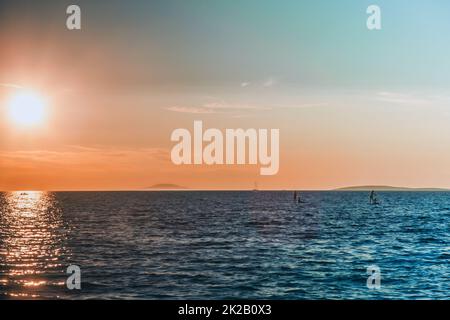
[27,108]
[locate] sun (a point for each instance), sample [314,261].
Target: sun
[27,108]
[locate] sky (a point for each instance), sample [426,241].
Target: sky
[354,107]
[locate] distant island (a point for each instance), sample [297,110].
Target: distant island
[166,186]
[387,188]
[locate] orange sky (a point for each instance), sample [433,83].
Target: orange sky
[116,93]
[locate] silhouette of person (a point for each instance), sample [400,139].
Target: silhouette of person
[372,197]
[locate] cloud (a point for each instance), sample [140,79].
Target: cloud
[230,106]
[80,167]
[402,98]
[307,105]
[80,156]
[193,110]
[238,110]
[10,85]
[220,107]
[269,83]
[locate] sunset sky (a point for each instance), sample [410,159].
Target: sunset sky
[354,107]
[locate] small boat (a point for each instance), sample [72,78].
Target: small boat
[297,196]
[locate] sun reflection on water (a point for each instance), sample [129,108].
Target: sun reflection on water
[32,251]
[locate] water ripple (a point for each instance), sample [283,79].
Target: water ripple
[204,245]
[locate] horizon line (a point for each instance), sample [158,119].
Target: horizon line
[379,188]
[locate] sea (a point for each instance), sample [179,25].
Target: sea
[224,245]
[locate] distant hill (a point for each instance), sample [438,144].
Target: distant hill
[387,188]
[166,186]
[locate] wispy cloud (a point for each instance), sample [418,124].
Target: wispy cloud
[80,167]
[80,155]
[304,105]
[402,98]
[266,83]
[220,107]
[10,85]
[239,110]
[270,82]
[193,110]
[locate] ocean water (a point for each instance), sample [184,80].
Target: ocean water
[224,245]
